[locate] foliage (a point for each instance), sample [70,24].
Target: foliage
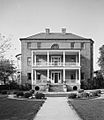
[39,95]
[6,69]
[27,94]
[101,58]
[13,85]
[72,95]
[80,90]
[19,94]
[83,95]
[4,45]
[4,92]
[95,83]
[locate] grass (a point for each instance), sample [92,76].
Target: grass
[89,109]
[11,109]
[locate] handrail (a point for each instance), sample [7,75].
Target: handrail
[56,64]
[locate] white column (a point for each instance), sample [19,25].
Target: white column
[35,77]
[48,75]
[79,75]
[79,58]
[48,58]
[63,75]
[32,55]
[34,59]
[63,58]
[76,59]
[32,82]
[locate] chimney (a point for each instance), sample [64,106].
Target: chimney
[63,30]
[47,30]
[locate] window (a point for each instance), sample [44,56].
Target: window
[38,45]
[29,76]
[55,46]
[72,44]
[38,76]
[82,45]
[29,61]
[28,45]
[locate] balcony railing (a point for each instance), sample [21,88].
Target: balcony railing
[56,64]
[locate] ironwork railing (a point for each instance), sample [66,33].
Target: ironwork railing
[56,64]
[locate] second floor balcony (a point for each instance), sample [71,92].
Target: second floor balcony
[56,58]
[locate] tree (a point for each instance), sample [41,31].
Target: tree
[101,59]
[4,45]
[6,69]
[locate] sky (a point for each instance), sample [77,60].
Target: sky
[23,18]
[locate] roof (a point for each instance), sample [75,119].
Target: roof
[54,36]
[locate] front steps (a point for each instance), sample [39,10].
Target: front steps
[56,88]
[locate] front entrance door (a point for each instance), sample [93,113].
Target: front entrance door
[56,77]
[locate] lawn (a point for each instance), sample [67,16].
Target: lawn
[89,109]
[11,109]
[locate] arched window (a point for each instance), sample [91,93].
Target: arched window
[55,46]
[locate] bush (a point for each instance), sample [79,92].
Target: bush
[32,91]
[39,95]
[72,95]
[98,91]
[4,92]
[84,94]
[80,90]
[27,94]
[20,94]
[15,92]
[93,94]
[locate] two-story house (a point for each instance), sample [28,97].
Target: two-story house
[56,58]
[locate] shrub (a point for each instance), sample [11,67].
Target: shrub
[4,92]
[98,91]
[93,94]
[84,94]
[32,91]
[20,94]
[27,94]
[39,95]
[80,90]
[15,92]
[72,95]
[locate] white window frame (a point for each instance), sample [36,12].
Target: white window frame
[53,60]
[59,76]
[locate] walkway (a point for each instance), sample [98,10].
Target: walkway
[56,108]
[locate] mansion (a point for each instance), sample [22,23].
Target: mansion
[58,59]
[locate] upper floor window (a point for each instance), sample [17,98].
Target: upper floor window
[82,45]
[55,46]
[38,45]
[28,45]
[28,60]
[72,44]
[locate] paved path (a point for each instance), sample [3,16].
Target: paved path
[56,108]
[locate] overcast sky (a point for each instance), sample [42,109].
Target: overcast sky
[22,18]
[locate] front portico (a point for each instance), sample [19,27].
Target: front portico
[56,67]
